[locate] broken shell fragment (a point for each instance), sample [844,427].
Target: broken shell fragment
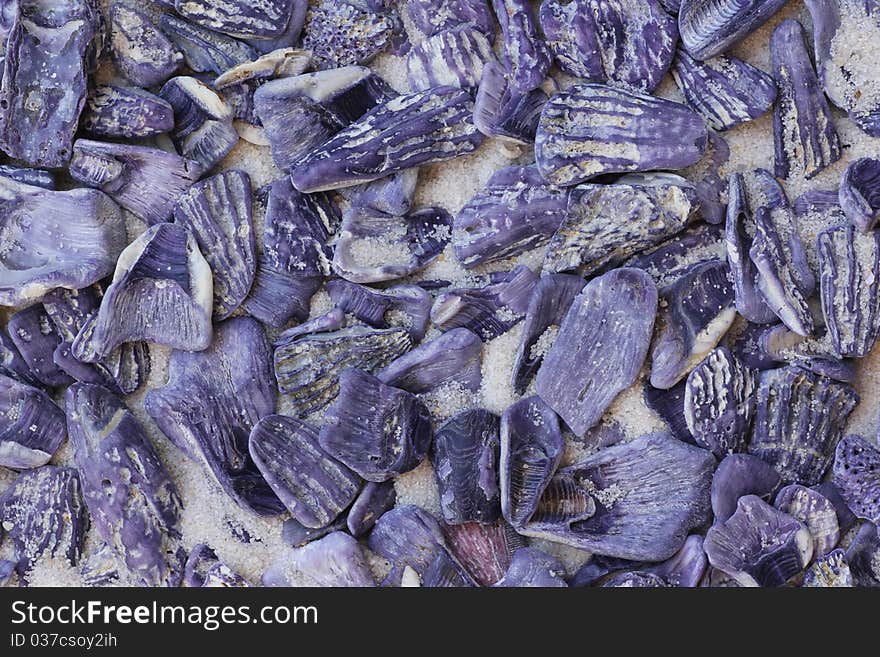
[453,58]
[530,567]
[36,339]
[381,308]
[857,477]
[140,51]
[590,129]
[667,262]
[428,17]
[146,181]
[816,512]
[218,211]
[758,545]
[863,556]
[11,362]
[342,32]
[503,112]
[280,63]
[454,356]
[531,449]
[335,560]
[313,485]
[31,425]
[132,500]
[686,567]
[27,176]
[600,348]
[669,405]
[799,420]
[738,475]
[126,112]
[635,579]
[238,18]
[211,403]
[203,49]
[829,571]
[392,194]
[485,550]
[370,504]
[635,501]
[711,27]
[526,54]
[859,194]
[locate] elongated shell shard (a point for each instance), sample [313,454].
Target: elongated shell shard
[404,132]
[308,367]
[54,239]
[238,18]
[211,402]
[161,292]
[711,27]
[147,181]
[28,176]
[532,568]
[343,32]
[591,129]
[531,448]
[408,306]
[36,339]
[428,17]
[829,571]
[799,420]
[719,402]
[126,112]
[857,477]
[140,51]
[634,501]
[43,514]
[803,127]
[32,425]
[12,364]
[624,43]
[859,194]
[218,211]
[601,347]
[816,512]
[686,567]
[313,485]
[203,49]
[392,194]
[526,54]
[454,356]
[712,187]
[485,550]
[502,111]
[43,87]
[667,262]
[335,560]
[550,300]
[371,503]
[453,58]
[863,554]
[605,224]
[131,498]
[725,91]
[844,64]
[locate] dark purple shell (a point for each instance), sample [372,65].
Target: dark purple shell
[859,194]
[669,405]
[239,18]
[373,501]
[863,556]
[11,362]
[504,112]
[816,512]
[203,49]
[738,475]
[526,54]
[485,550]
[31,425]
[532,568]
[454,356]
[711,27]
[36,339]
[140,51]
[686,567]
[408,306]
[453,58]
[126,112]
[211,402]
[667,262]
[857,477]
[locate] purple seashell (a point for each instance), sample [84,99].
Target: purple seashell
[635,579]
[815,512]
[326,323]
[126,112]
[376,430]
[859,194]
[839,370]
[623,43]
[11,362]
[840,28]
[686,567]
[531,449]
[54,239]
[488,311]
[829,571]
[373,247]
[817,200]
[719,402]
[303,112]
[711,27]
[296,534]
[43,512]
[530,567]
[695,313]
[453,58]
[432,16]
[597,568]
[26,176]
[211,403]
[799,419]
[758,545]
[803,127]
[465,455]
[199,561]
[600,348]
[517,212]
[203,130]
[140,51]
[373,501]
[590,129]
[203,49]
[313,485]
[857,477]
[131,498]
[725,91]
[738,475]
[454,356]
[392,194]
[697,244]
[404,132]
[293,22]
[711,189]
[407,536]
[238,18]
[503,112]
[32,425]
[341,32]
[280,63]
[550,301]
[162,275]
[848,287]
[100,568]
[44,78]
[308,367]
[485,550]
[381,308]
[335,560]
[606,224]
[863,556]
[146,181]
[218,211]
[669,405]
[635,501]
[35,338]
[295,256]
[845,518]
[525,53]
